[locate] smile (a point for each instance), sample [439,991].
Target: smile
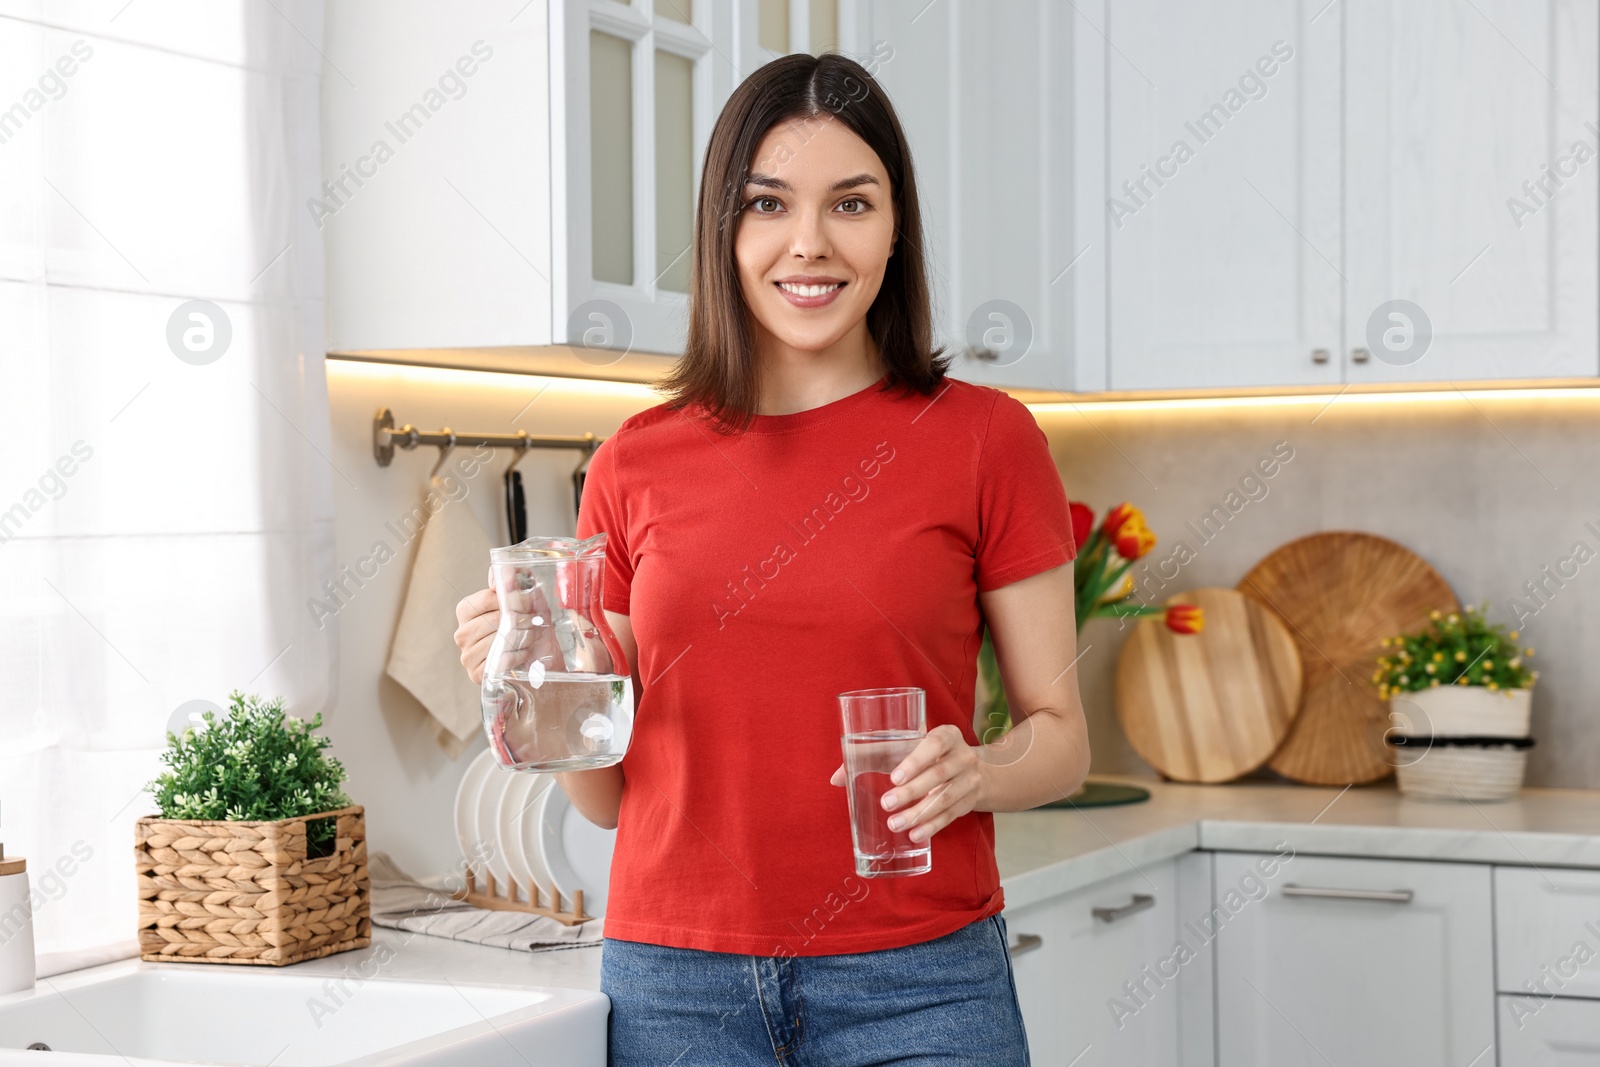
[810,296]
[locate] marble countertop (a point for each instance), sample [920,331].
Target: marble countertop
[1047,852]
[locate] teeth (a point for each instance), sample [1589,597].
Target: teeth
[808,290]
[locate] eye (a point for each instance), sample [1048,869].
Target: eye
[865,205]
[763,200]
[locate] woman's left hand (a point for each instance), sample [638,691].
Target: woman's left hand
[943,772]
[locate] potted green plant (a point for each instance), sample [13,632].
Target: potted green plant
[1460,697]
[257,856]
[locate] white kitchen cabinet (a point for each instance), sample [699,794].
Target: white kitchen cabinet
[1549,1033]
[1376,962]
[1455,116]
[1261,227]
[1095,972]
[1222,209]
[1547,931]
[1000,102]
[544,198]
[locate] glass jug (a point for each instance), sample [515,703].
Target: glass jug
[557,690]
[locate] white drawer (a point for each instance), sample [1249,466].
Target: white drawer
[1549,1033]
[1547,931]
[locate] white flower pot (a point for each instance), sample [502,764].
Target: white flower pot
[1438,769]
[1461,711]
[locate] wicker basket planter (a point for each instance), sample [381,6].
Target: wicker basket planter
[245,892]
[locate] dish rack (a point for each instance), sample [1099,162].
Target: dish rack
[492,900]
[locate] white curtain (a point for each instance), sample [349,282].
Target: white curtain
[165,503]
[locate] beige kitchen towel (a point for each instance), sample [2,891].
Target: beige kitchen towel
[402,902]
[452,556]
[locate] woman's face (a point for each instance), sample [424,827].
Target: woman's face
[814,234]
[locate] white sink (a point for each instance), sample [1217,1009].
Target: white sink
[236,1016]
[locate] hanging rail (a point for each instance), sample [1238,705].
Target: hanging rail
[386,438]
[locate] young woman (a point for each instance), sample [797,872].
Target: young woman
[816,509]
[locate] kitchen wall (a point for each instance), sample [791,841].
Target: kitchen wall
[1489,490]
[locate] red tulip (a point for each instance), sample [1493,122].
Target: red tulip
[1186,618]
[1117,516]
[1135,539]
[1082,522]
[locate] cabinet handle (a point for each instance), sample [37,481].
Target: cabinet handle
[1319,355]
[1025,943]
[1360,355]
[1392,896]
[1140,902]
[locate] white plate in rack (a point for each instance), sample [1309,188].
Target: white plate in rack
[577,852]
[467,794]
[495,781]
[518,821]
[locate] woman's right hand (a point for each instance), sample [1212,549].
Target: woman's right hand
[477,618]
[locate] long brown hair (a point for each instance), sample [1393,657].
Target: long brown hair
[718,366]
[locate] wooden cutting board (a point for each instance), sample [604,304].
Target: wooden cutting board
[1341,593]
[1208,707]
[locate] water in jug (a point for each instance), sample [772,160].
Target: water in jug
[557,689]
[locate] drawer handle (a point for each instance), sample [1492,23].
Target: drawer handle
[1140,902]
[1392,896]
[1025,943]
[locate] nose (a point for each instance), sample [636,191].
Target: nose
[808,237]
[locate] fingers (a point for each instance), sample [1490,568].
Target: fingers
[932,815]
[480,603]
[931,749]
[477,616]
[838,776]
[934,774]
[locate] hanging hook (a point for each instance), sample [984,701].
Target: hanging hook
[444,452]
[522,446]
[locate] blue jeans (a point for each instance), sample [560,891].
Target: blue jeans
[952,1000]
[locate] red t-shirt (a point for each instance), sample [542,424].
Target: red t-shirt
[827,550]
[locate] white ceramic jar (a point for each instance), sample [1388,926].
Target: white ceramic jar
[16,927]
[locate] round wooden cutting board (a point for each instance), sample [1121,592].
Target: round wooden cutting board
[1208,707]
[1341,593]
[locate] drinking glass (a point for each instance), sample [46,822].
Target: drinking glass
[881,727]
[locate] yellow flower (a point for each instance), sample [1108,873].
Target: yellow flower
[1493,686]
[1514,662]
[1453,618]
[1488,664]
[1403,679]
[1434,682]
[1513,635]
[1461,680]
[1461,657]
[1428,667]
[1438,657]
[1528,652]
[1434,614]
[1121,591]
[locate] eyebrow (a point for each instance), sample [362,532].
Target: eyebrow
[768,181]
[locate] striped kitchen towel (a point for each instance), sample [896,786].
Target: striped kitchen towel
[404,903]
